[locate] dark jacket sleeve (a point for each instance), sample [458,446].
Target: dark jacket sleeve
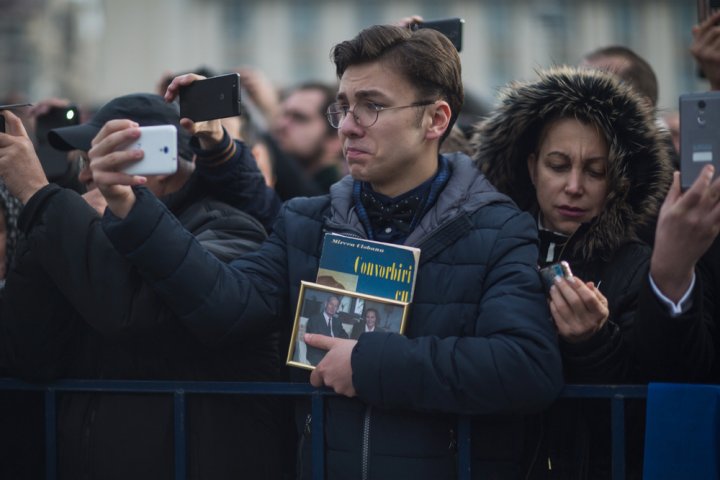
[214,300]
[65,237]
[634,344]
[674,349]
[607,357]
[38,327]
[509,363]
[682,348]
[230,172]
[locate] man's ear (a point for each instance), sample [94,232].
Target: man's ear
[441,114]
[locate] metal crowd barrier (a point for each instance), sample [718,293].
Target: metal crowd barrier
[616,394]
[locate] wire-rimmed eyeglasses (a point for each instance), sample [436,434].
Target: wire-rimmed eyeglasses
[364,113]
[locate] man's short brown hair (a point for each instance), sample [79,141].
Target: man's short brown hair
[425,57]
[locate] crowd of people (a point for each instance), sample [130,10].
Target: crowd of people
[195,275]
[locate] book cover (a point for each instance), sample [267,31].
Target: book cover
[369,267]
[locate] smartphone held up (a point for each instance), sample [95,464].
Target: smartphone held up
[10,107]
[450,27]
[699,142]
[159,145]
[211,98]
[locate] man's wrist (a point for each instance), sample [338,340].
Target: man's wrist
[120,205]
[212,140]
[27,192]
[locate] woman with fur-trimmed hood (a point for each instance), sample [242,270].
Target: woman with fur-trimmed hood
[583,153]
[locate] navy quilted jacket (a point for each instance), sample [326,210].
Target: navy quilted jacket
[479,339]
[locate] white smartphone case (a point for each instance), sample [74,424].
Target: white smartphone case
[160,146]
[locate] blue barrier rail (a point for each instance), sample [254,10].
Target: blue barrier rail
[616,394]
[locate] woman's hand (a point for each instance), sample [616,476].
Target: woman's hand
[578,308]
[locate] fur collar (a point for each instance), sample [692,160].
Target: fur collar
[640,170]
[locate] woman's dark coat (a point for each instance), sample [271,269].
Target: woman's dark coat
[606,251]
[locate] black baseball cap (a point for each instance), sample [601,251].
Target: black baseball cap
[144,108]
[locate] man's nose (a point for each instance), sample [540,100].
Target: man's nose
[349,126]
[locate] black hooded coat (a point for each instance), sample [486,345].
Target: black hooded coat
[606,250]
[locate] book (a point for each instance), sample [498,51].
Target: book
[342,314]
[369,267]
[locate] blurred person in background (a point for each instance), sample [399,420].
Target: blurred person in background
[627,65]
[303,133]
[305,151]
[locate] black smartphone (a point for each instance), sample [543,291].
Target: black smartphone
[548,274]
[699,140]
[212,98]
[53,161]
[450,27]
[10,107]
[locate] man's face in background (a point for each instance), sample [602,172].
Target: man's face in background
[302,129]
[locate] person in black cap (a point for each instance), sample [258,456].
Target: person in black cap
[147,110]
[74,307]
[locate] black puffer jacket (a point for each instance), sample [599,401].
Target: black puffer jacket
[73,307]
[606,251]
[479,340]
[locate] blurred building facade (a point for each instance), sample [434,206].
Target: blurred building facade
[92,50]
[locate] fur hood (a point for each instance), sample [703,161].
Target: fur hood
[639,170]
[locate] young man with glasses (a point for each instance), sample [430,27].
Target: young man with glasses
[479,339]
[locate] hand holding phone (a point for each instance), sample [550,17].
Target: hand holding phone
[159,145]
[10,107]
[550,272]
[578,309]
[211,98]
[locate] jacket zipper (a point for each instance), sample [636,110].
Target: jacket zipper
[366,443]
